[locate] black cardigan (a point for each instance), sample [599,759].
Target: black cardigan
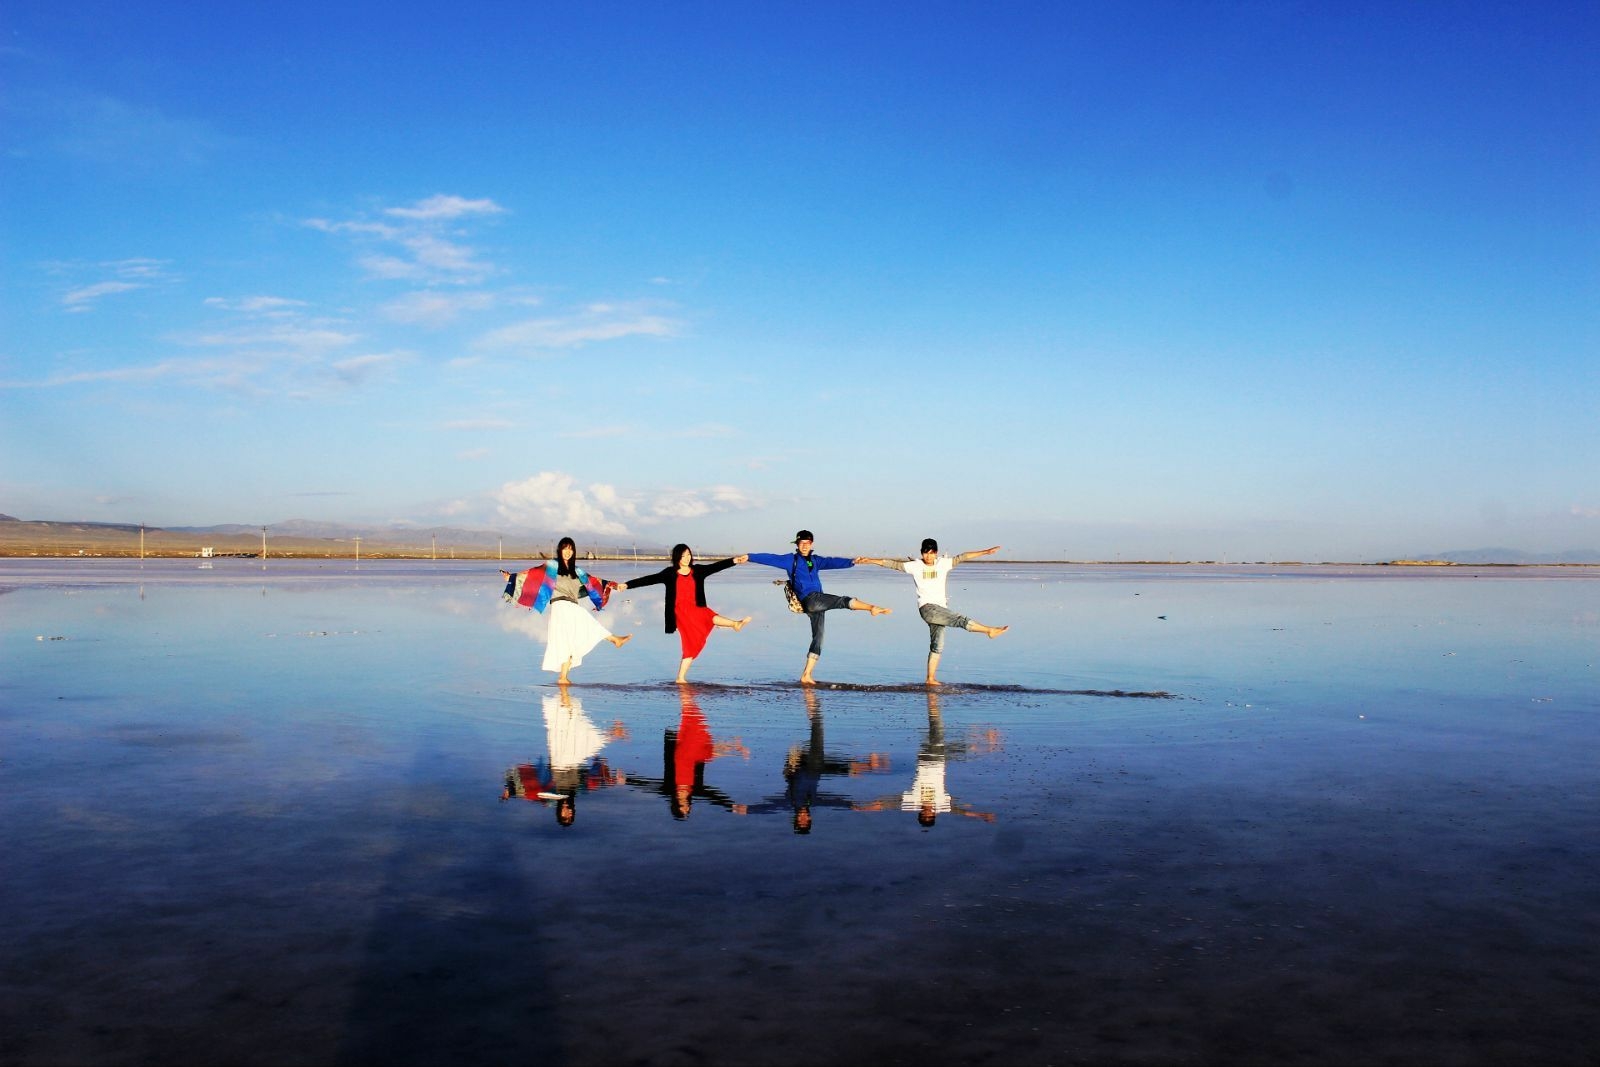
[667,576]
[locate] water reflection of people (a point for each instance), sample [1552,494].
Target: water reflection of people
[804,768]
[928,796]
[684,755]
[574,763]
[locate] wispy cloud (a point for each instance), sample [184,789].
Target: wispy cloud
[266,306]
[358,370]
[707,430]
[80,300]
[487,422]
[597,322]
[1579,511]
[421,245]
[434,309]
[590,433]
[284,337]
[442,206]
[112,132]
[127,275]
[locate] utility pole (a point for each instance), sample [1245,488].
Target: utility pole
[141,542]
[436,546]
[358,550]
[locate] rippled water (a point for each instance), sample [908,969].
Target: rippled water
[254,814]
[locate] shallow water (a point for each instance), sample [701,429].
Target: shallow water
[1193,814]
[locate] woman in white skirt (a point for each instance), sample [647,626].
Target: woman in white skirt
[559,584]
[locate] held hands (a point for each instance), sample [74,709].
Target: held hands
[742,559]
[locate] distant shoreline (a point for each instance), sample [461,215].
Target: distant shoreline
[405,553]
[32,539]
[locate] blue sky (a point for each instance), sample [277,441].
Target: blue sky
[1243,281]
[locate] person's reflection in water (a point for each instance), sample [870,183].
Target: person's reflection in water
[574,764]
[804,769]
[684,755]
[928,796]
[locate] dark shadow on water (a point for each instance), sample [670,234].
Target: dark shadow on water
[454,970]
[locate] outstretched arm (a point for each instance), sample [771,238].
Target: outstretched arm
[975,553]
[658,578]
[892,564]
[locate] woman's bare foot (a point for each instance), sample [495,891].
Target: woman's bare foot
[618,642]
[995,631]
[740,623]
[934,681]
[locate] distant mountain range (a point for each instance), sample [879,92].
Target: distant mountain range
[305,535]
[305,530]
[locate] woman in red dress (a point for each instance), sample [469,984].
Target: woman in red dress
[686,612]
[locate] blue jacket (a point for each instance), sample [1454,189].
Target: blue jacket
[803,568]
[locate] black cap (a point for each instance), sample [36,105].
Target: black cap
[929,545]
[803,535]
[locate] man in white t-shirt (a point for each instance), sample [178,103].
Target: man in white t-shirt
[929,573]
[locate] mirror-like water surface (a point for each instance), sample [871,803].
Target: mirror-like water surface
[319,813]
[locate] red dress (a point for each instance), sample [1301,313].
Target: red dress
[694,621]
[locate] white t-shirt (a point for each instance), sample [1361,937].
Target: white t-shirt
[928,787]
[930,580]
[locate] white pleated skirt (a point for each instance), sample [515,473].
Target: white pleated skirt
[573,632]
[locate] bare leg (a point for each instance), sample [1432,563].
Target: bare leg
[862,605]
[566,665]
[733,624]
[618,642]
[933,668]
[683,669]
[991,631]
[805,675]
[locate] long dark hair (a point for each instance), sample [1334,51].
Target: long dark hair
[569,570]
[677,552]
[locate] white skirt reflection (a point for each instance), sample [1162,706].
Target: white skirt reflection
[573,632]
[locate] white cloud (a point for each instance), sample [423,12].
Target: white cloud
[127,275]
[442,206]
[1581,512]
[79,300]
[706,430]
[360,369]
[553,501]
[435,309]
[696,503]
[428,250]
[297,338]
[595,432]
[269,306]
[598,322]
[487,422]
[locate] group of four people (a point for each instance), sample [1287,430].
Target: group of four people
[560,584]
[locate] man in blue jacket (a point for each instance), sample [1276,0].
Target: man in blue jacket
[804,570]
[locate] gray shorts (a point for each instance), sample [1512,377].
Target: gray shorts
[937,616]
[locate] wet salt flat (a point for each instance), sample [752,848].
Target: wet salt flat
[291,813]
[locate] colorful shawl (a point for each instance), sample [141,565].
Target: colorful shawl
[523,588]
